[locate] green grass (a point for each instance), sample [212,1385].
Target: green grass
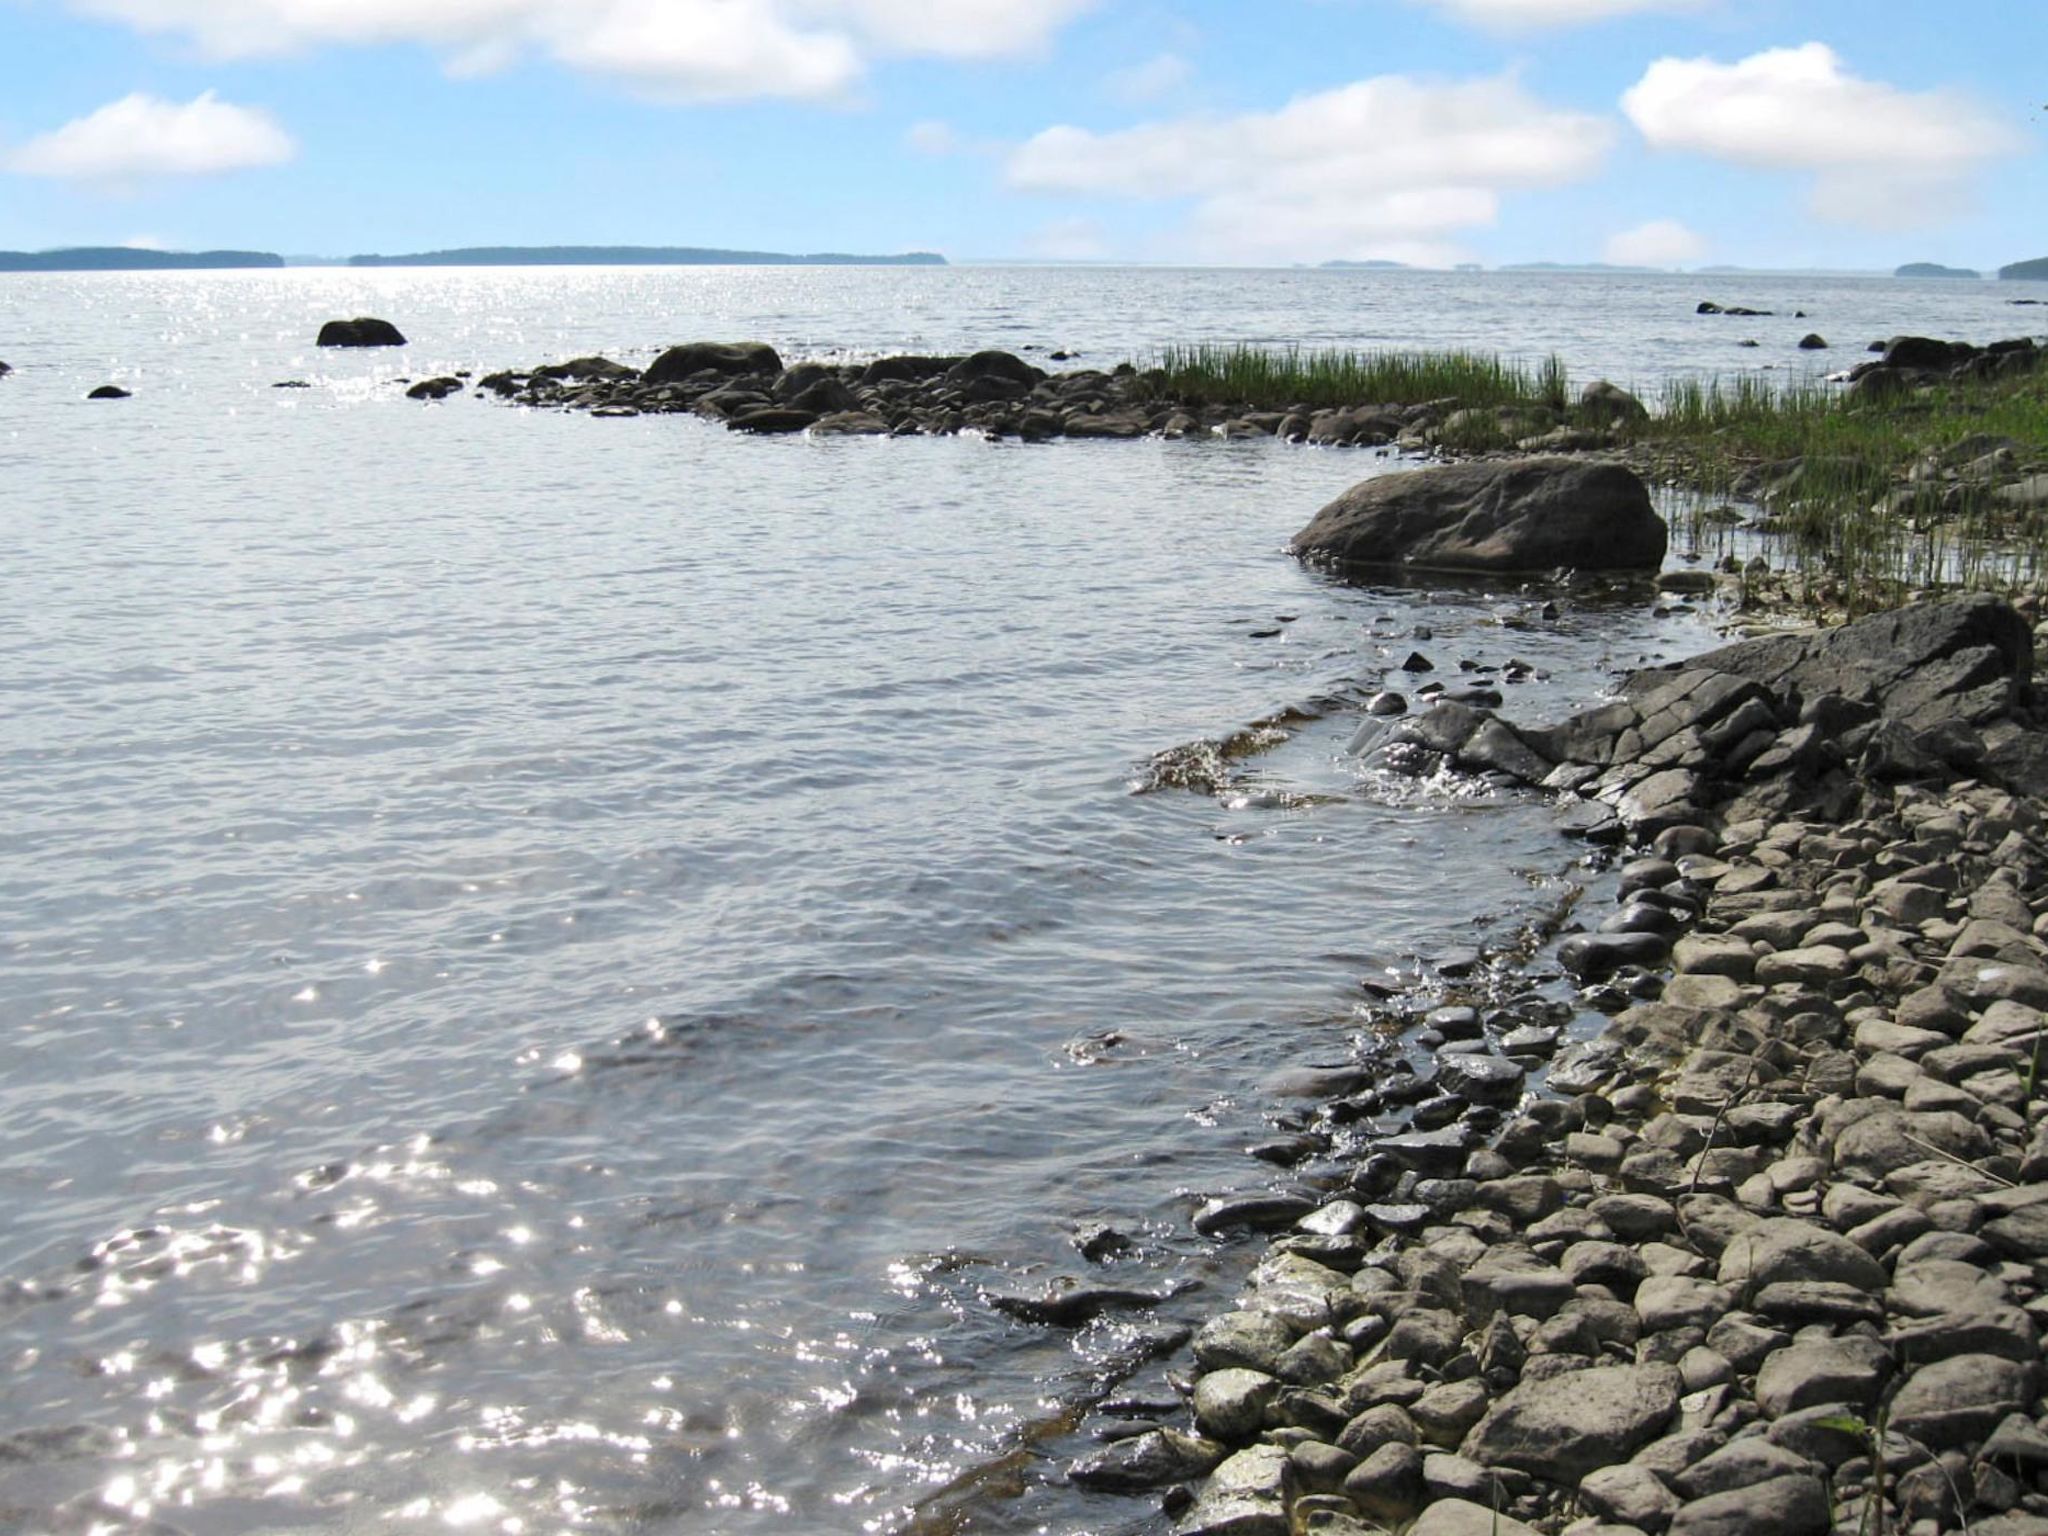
[1269,379]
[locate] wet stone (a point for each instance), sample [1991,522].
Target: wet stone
[1246,1496]
[1487,1079]
[1151,1460]
[1246,1340]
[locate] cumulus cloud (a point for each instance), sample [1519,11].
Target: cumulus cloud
[142,138]
[1879,155]
[1388,167]
[1518,14]
[1660,243]
[694,50]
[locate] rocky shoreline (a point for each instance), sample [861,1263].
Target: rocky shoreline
[1767,1253]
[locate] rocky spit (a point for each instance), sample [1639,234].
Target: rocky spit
[1769,1254]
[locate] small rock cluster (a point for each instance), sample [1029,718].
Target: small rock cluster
[1910,362]
[1768,1254]
[747,386]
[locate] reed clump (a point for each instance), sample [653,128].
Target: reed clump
[1865,499]
[1278,379]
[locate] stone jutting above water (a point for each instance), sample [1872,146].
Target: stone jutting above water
[1493,515]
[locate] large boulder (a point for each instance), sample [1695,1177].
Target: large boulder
[727,359]
[905,370]
[1004,366]
[363,331]
[1496,515]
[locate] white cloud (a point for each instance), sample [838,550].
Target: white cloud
[694,50]
[1660,243]
[1879,155]
[1519,14]
[140,138]
[1388,167]
[1156,77]
[700,50]
[954,29]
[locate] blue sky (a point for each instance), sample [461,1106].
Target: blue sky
[1835,133]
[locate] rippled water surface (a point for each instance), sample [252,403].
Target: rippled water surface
[553,964]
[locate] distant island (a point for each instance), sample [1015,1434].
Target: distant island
[1365,266]
[1934,269]
[122,258]
[2026,271]
[636,256]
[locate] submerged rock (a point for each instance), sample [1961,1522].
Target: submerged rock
[363,331]
[1509,515]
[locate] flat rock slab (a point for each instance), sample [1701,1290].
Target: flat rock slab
[1562,1429]
[1958,1401]
[1495,515]
[1247,1496]
[1911,663]
[1784,1506]
[1461,1517]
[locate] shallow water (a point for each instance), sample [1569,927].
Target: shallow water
[554,963]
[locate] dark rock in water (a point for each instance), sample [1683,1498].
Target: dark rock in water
[1004,367]
[1512,515]
[1417,662]
[769,419]
[1923,352]
[1099,1241]
[434,389]
[826,397]
[583,369]
[727,359]
[1813,342]
[1070,1309]
[1594,956]
[905,370]
[5,370]
[1264,1212]
[1708,307]
[363,331]
[291,384]
[1147,1461]
[109,392]
[1486,1078]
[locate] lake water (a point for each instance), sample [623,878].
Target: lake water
[552,965]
